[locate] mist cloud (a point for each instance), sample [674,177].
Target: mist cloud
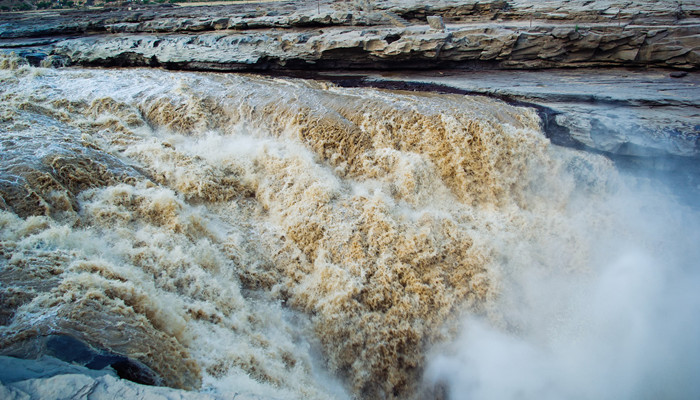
[628,328]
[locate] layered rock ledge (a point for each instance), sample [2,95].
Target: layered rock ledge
[388,35]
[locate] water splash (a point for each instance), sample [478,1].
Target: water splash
[281,235]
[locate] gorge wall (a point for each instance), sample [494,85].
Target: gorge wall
[388,35]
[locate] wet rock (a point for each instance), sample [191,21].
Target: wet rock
[678,74]
[78,353]
[18,369]
[50,378]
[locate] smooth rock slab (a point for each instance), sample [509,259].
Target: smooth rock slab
[50,378]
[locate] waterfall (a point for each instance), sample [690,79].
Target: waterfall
[296,239]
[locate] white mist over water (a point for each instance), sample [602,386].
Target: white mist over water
[294,239]
[629,328]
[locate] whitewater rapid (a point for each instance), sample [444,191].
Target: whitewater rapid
[295,239]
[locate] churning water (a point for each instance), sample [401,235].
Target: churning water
[295,239]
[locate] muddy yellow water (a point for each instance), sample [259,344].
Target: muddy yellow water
[284,237]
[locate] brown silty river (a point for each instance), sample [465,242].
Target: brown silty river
[295,239]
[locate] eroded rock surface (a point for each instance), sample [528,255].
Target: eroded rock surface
[48,377]
[494,34]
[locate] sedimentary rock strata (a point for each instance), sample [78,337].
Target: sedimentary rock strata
[281,35]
